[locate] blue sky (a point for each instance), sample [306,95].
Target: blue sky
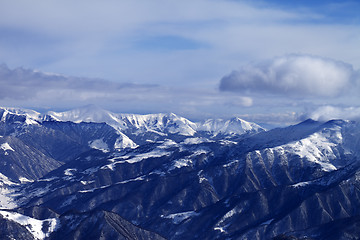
[331,11]
[300,57]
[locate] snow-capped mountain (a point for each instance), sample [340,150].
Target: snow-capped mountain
[34,144]
[157,123]
[13,115]
[99,175]
[234,126]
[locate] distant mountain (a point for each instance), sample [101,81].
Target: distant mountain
[93,174]
[33,144]
[157,123]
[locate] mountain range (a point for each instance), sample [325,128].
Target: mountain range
[93,174]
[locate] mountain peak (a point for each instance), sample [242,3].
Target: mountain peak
[232,126]
[88,113]
[19,115]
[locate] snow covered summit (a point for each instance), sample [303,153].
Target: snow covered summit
[161,123]
[232,126]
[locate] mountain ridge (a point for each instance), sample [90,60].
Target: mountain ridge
[285,182]
[160,122]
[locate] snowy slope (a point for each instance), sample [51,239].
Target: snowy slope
[34,226]
[306,144]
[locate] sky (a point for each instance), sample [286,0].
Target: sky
[272,62]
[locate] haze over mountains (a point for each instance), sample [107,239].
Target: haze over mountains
[93,174]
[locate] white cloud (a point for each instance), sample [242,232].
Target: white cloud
[293,75]
[326,113]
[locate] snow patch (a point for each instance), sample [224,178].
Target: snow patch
[167,144]
[179,217]
[221,229]
[300,184]
[196,140]
[34,226]
[30,121]
[4,180]
[201,176]
[228,215]
[47,179]
[142,156]
[179,163]
[99,144]
[124,142]
[69,171]
[25,180]
[110,166]
[87,182]
[227,142]
[202,179]
[141,178]
[6,147]
[93,189]
[6,201]
[229,164]
[187,161]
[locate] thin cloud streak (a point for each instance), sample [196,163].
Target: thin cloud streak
[26,84]
[33,89]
